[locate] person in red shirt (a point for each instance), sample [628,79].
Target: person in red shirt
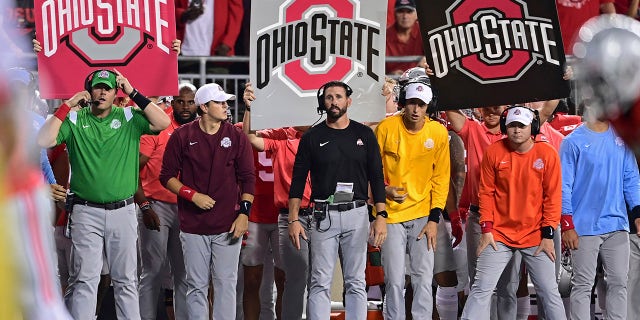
[160,230]
[283,145]
[573,13]
[403,37]
[520,204]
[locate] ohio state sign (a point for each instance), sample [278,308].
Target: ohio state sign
[299,45]
[493,53]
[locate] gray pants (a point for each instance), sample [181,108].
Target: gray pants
[295,264]
[401,238]
[506,307]
[63,253]
[613,249]
[216,258]
[633,285]
[267,298]
[155,248]
[348,230]
[492,262]
[94,231]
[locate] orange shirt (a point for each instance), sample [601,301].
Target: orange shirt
[520,192]
[153,147]
[283,144]
[476,137]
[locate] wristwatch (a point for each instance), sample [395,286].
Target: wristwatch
[383,214]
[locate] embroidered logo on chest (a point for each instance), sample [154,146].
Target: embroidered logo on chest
[429,143]
[538,164]
[225,142]
[359,142]
[115,124]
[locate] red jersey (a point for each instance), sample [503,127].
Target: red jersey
[152,146]
[283,143]
[572,14]
[263,209]
[476,137]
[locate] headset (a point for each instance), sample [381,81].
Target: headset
[402,97]
[90,76]
[320,95]
[535,123]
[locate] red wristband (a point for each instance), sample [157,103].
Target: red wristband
[486,226]
[566,222]
[186,193]
[62,112]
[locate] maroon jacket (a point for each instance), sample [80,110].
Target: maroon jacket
[219,165]
[227,21]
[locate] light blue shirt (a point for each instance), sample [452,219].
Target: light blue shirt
[599,173]
[45,165]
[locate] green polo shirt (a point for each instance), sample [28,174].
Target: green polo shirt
[104,152]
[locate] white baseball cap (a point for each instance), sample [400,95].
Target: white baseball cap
[212,92]
[519,114]
[420,91]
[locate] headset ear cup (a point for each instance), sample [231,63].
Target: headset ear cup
[87,82]
[320,95]
[503,121]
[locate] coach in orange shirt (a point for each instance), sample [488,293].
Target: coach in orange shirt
[520,203]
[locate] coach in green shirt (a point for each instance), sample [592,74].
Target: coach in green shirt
[103,142]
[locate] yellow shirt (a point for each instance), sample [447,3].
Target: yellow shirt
[419,162]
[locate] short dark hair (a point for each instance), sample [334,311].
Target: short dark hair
[336,83]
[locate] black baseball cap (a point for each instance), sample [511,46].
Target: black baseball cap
[405,4]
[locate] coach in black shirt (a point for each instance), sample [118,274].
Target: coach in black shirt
[343,155]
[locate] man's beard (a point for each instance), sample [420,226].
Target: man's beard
[332,116]
[181,120]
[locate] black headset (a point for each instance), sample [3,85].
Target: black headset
[90,76]
[535,123]
[402,97]
[320,95]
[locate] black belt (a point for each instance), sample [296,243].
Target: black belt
[302,212]
[107,206]
[474,208]
[343,206]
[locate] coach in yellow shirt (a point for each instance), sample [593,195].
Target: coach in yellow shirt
[415,158]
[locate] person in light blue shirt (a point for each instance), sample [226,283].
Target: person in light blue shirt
[599,179]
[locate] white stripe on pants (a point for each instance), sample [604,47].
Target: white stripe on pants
[348,230]
[613,249]
[401,238]
[96,231]
[216,258]
[490,265]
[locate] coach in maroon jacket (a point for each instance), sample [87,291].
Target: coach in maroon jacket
[205,163]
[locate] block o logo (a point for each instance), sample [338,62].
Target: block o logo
[104,33]
[315,41]
[297,72]
[491,44]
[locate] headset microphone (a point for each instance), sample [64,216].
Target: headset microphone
[88,103]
